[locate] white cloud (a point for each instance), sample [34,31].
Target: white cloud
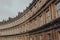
[10,8]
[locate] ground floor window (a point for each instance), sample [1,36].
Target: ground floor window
[31,38]
[41,37]
[35,38]
[59,35]
[49,37]
[48,16]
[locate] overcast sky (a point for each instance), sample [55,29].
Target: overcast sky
[10,8]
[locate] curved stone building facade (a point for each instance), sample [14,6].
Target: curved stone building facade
[40,21]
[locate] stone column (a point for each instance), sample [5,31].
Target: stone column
[53,11]
[28,37]
[45,36]
[38,21]
[44,17]
[0,38]
[54,34]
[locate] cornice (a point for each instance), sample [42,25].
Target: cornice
[18,18]
[33,16]
[20,14]
[54,24]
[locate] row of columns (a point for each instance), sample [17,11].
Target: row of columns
[41,36]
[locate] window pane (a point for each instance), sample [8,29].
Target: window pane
[48,16]
[30,38]
[35,38]
[41,37]
[58,9]
[58,5]
[49,36]
[59,35]
[41,20]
